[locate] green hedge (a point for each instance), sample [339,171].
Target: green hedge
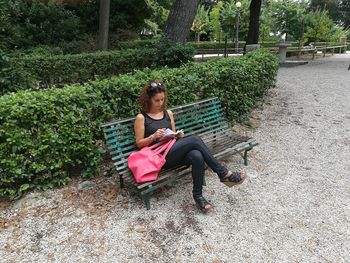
[149,43]
[43,71]
[45,135]
[78,68]
[197,45]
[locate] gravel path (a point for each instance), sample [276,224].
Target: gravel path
[295,206]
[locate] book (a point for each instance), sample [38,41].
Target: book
[169,134]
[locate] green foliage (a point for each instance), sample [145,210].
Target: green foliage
[30,23]
[215,21]
[12,75]
[266,24]
[146,43]
[345,13]
[331,6]
[78,68]
[338,33]
[240,82]
[47,70]
[228,16]
[288,18]
[27,24]
[159,14]
[172,54]
[214,45]
[200,23]
[319,26]
[44,135]
[127,15]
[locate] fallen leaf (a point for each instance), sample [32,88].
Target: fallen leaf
[111,195]
[140,229]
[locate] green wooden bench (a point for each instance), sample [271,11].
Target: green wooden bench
[204,118]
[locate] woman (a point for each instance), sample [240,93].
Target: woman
[149,127]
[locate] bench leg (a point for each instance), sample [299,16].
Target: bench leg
[121,180]
[147,199]
[245,156]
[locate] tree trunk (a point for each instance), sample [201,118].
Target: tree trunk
[103,25]
[180,20]
[253,32]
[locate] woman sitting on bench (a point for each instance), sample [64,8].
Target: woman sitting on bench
[150,125]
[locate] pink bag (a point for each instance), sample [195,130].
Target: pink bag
[146,163]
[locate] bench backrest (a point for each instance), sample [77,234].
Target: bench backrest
[200,118]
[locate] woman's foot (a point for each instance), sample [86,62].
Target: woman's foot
[202,203]
[233,178]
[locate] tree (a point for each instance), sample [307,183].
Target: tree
[319,26]
[26,24]
[332,6]
[160,12]
[265,23]
[345,13]
[288,18]
[228,14]
[254,16]
[215,21]
[180,19]
[200,23]
[103,25]
[228,18]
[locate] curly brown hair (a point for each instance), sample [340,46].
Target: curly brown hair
[148,91]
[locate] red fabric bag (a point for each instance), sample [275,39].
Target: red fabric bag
[146,163]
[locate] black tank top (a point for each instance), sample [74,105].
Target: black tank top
[152,125]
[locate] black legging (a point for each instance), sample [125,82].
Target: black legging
[192,150]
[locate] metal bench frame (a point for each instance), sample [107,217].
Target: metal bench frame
[204,118]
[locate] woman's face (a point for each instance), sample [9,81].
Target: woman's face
[157,101]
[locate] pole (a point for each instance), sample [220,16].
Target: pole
[237,26]
[225,47]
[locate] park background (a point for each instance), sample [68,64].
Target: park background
[68,66]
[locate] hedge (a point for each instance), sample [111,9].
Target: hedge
[45,135]
[78,68]
[149,43]
[45,71]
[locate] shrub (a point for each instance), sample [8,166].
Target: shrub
[48,70]
[79,68]
[172,54]
[150,43]
[44,134]
[12,75]
[31,23]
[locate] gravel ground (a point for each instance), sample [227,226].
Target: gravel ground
[294,207]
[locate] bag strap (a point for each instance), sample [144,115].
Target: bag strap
[158,144]
[165,147]
[171,143]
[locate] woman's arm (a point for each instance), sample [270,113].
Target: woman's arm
[171,115]
[139,129]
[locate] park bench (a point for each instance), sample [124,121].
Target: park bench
[204,118]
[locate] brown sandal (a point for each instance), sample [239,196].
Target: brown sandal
[233,179]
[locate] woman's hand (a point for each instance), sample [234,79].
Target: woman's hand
[180,134]
[158,134]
